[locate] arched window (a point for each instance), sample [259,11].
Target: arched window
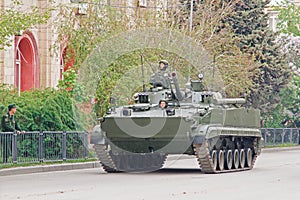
[67,60]
[26,62]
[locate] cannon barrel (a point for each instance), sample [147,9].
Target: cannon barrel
[230,101]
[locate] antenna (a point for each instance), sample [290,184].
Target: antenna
[148,63]
[191,29]
[213,72]
[143,76]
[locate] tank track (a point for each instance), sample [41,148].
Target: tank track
[104,157]
[209,165]
[128,162]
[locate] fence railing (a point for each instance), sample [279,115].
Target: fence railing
[60,146]
[42,146]
[278,136]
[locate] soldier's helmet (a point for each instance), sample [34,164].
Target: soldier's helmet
[165,64]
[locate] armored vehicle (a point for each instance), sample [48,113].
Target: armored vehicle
[223,135]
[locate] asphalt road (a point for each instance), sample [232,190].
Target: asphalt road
[276,175]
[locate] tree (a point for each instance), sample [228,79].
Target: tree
[289,18]
[289,28]
[14,19]
[290,101]
[81,34]
[236,67]
[249,23]
[211,28]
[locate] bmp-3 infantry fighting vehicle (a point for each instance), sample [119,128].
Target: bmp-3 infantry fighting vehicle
[164,120]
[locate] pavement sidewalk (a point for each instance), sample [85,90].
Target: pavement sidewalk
[94,164]
[48,168]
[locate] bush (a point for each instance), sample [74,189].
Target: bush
[46,110]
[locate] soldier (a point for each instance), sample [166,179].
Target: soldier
[163,104]
[160,79]
[8,123]
[163,65]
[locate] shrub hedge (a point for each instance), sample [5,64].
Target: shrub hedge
[44,110]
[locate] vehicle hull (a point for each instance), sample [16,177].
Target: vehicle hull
[148,134]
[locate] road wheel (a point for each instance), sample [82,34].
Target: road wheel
[228,159]
[214,159]
[242,158]
[249,157]
[236,159]
[221,160]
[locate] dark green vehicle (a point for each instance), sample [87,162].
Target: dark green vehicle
[223,135]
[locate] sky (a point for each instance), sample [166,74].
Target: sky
[275,2]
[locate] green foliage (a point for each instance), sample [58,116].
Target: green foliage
[69,80]
[291,98]
[98,24]
[289,25]
[281,145]
[274,118]
[53,146]
[28,148]
[288,109]
[210,27]
[69,83]
[272,72]
[75,146]
[15,20]
[47,110]
[289,18]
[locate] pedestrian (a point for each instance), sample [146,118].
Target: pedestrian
[9,123]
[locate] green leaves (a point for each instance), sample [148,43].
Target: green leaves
[272,72]
[289,18]
[289,109]
[47,110]
[14,20]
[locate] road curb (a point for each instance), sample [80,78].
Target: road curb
[277,149]
[48,168]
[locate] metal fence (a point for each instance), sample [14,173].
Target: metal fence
[279,136]
[60,146]
[42,146]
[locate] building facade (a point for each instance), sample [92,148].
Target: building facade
[28,63]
